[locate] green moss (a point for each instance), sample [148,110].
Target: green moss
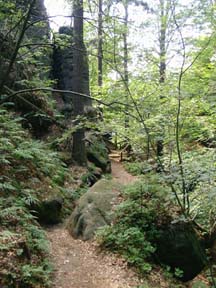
[97,154]
[94,209]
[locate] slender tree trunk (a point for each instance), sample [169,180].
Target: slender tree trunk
[78,149]
[126,76]
[162,64]
[148,154]
[100,46]
[162,43]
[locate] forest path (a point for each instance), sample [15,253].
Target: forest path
[120,174]
[79,264]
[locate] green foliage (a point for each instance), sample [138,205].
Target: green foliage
[135,229]
[88,178]
[29,173]
[97,153]
[199,284]
[23,248]
[178,273]
[77,193]
[34,275]
[143,286]
[200,167]
[31,64]
[199,178]
[138,168]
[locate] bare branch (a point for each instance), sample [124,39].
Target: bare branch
[15,93]
[17,46]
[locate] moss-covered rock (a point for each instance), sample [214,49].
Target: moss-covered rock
[94,209]
[97,153]
[92,176]
[178,246]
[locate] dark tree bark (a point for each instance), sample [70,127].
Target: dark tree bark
[162,64]
[100,45]
[80,82]
[163,28]
[126,77]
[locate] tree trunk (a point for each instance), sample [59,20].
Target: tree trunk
[100,46]
[162,64]
[80,82]
[125,48]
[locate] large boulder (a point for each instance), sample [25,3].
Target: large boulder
[179,247]
[94,209]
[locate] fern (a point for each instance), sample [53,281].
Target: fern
[7,187]
[29,171]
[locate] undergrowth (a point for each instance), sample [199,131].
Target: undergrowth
[138,217]
[29,173]
[138,168]
[199,176]
[149,204]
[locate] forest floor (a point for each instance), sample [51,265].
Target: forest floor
[79,264]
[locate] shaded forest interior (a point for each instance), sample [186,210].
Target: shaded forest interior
[126,81]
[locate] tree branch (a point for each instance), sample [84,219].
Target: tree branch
[17,47]
[15,93]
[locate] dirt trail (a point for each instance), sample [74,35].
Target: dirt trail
[78,264]
[120,174]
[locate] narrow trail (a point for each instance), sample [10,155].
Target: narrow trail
[79,264]
[120,174]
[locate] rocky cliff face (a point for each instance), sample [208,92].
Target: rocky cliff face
[37,32]
[35,59]
[63,72]
[32,62]
[40,13]
[41,29]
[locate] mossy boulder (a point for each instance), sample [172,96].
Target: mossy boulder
[179,247]
[97,153]
[94,209]
[92,176]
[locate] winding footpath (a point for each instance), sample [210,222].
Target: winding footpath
[79,264]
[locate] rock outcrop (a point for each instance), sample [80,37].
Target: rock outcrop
[34,64]
[63,72]
[179,247]
[97,153]
[94,209]
[38,31]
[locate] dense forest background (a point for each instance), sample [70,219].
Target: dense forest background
[137,78]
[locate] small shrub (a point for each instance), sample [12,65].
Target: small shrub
[199,284]
[138,168]
[135,228]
